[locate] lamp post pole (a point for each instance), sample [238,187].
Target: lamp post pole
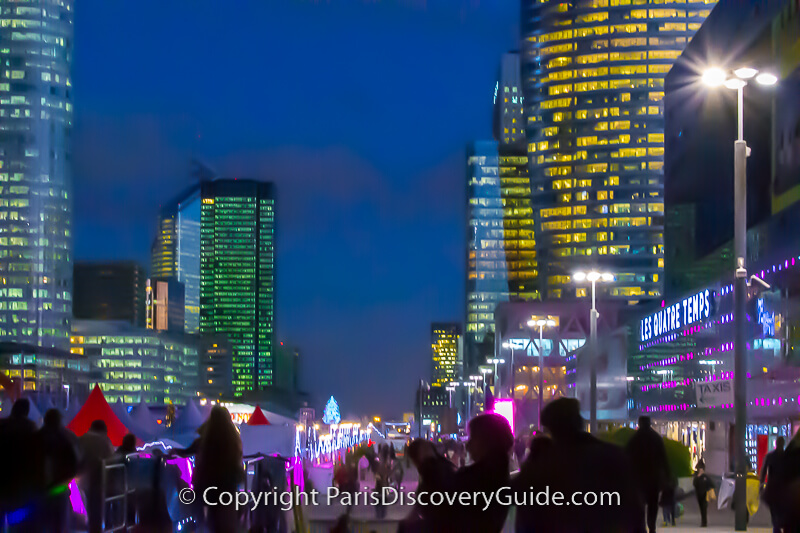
[593,277]
[593,364]
[541,375]
[740,298]
[715,77]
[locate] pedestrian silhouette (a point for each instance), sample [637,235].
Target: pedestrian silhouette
[649,461]
[576,465]
[59,466]
[20,467]
[95,448]
[490,442]
[702,486]
[772,483]
[219,464]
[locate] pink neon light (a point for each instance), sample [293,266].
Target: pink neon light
[75,499]
[185,467]
[505,408]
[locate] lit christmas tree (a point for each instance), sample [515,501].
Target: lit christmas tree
[331,415]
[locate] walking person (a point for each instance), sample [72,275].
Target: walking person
[59,467]
[649,461]
[702,487]
[490,442]
[95,449]
[771,484]
[669,501]
[219,464]
[575,462]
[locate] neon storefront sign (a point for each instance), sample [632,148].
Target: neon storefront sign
[686,312]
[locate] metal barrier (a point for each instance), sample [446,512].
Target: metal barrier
[108,500]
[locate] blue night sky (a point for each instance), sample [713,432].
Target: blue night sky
[359,111]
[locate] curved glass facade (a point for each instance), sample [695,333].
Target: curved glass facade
[593,75]
[35,173]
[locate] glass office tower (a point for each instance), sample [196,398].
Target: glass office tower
[445,353]
[175,253]
[35,173]
[237,276]
[593,76]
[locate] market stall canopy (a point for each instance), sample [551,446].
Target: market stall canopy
[258,418]
[97,408]
[73,409]
[143,423]
[189,419]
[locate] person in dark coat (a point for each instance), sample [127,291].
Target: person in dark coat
[649,461]
[95,448]
[575,462]
[218,463]
[59,467]
[489,445]
[20,463]
[770,478]
[702,485]
[669,501]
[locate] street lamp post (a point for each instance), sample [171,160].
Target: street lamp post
[716,77]
[496,361]
[510,346]
[541,325]
[593,277]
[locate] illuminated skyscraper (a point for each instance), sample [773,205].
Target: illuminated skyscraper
[593,76]
[509,124]
[237,276]
[446,343]
[35,173]
[175,253]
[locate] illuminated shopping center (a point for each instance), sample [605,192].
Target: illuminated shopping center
[593,74]
[681,366]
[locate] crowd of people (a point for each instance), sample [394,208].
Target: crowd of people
[37,466]
[569,460]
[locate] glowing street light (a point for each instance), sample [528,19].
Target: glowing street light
[541,324]
[738,82]
[593,277]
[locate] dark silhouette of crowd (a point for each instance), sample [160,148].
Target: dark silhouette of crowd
[37,466]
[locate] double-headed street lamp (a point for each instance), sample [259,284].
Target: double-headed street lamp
[541,324]
[496,361]
[716,77]
[593,276]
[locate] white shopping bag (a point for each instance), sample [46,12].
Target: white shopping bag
[726,490]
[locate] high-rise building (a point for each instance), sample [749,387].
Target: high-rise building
[509,122]
[593,74]
[175,254]
[501,256]
[164,303]
[237,276]
[501,260]
[446,347]
[35,174]
[113,290]
[135,364]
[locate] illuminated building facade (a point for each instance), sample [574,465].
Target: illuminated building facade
[137,364]
[175,253]
[509,123]
[501,260]
[446,345]
[110,291]
[593,75]
[52,372]
[35,171]
[237,276]
[165,305]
